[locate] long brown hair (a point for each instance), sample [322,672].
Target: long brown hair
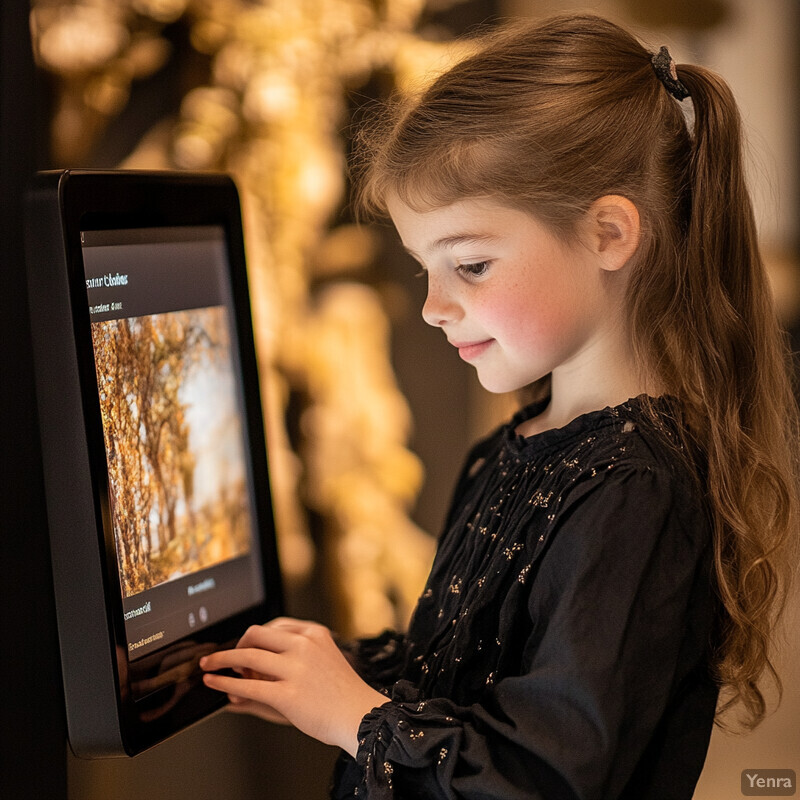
[547,118]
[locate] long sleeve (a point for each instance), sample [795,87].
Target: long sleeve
[613,620]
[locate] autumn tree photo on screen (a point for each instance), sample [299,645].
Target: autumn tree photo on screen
[177,482]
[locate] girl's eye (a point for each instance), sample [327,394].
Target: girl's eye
[474,270]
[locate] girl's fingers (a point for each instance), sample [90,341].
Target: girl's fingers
[289,623]
[259,691]
[247,662]
[255,654]
[277,638]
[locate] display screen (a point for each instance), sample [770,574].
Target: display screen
[179,494]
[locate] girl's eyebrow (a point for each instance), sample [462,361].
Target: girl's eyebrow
[456,239]
[463,238]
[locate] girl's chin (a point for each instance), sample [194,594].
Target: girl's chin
[497,385]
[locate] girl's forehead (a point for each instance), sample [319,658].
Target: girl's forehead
[469,221]
[475,213]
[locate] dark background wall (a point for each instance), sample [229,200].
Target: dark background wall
[32,751]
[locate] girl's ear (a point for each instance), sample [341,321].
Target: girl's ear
[614,229]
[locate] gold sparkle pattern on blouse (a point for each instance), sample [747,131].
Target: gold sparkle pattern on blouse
[509,504]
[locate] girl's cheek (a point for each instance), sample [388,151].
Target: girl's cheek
[527,319]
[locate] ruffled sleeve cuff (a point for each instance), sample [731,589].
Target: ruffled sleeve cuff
[404,739]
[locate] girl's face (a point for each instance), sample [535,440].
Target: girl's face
[516,301]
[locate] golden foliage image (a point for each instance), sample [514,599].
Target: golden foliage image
[177,480]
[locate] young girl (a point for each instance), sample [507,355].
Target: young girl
[613,555]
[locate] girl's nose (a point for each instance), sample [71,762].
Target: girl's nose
[439,308]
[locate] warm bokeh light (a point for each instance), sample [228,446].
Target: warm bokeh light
[273,115]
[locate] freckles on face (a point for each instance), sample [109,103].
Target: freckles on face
[535,316]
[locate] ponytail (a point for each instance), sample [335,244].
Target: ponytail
[733,371]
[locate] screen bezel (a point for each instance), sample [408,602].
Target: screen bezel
[115,201]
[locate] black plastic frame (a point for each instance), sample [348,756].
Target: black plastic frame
[103,717]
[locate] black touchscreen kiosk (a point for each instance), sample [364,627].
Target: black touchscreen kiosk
[161,528]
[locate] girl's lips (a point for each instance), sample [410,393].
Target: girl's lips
[471,350]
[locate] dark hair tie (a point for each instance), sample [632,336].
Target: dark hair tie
[667,73]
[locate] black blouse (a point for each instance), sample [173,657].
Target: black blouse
[562,646]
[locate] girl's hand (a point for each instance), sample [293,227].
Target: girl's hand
[292,671]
